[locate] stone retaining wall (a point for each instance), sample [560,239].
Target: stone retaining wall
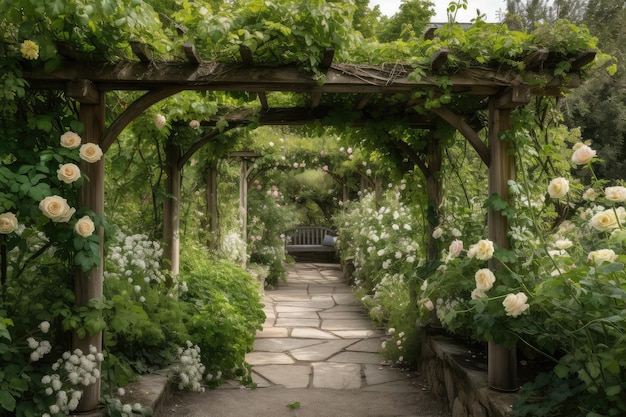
[457,373]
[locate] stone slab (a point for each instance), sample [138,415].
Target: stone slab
[321,351]
[283,344]
[372,345]
[300,314]
[336,375]
[341,315]
[346,324]
[376,374]
[289,376]
[357,357]
[311,333]
[345,299]
[288,308]
[272,332]
[357,334]
[296,322]
[268,358]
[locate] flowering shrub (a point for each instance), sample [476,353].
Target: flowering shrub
[378,236]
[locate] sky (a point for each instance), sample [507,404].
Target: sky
[488,7]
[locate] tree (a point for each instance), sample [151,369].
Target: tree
[413,17]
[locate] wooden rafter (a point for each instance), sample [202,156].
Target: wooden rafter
[191,53]
[246,58]
[327,61]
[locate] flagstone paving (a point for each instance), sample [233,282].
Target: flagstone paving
[319,348]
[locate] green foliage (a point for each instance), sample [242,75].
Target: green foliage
[224,312]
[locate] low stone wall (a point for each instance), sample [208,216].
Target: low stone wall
[457,373]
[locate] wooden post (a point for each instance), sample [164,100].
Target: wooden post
[88,285]
[243,204]
[211,203]
[171,211]
[502,361]
[434,190]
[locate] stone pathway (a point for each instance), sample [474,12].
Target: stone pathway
[317,348]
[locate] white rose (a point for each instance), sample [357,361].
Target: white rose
[582,154]
[90,152]
[558,187]
[70,140]
[194,124]
[427,303]
[604,221]
[56,209]
[563,244]
[478,294]
[85,226]
[589,194]
[484,279]
[455,248]
[615,194]
[437,233]
[602,255]
[482,250]
[159,121]
[515,304]
[8,223]
[68,173]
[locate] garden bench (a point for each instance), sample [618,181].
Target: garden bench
[311,242]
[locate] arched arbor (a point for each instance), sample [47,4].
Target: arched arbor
[493,89]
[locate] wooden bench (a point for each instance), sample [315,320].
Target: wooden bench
[309,242]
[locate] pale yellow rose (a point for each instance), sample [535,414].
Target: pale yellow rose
[56,209]
[482,250]
[29,50]
[8,223]
[85,226]
[90,152]
[558,187]
[68,173]
[589,194]
[583,154]
[602,255]
[515,304]
[563,244]
[478,294]
[484,279]
[615,194]
[604,221]
[70,140]
[194,124]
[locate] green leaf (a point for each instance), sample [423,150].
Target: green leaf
[294,405]
[7,401]
[613,390]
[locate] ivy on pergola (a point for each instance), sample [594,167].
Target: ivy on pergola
[374,93]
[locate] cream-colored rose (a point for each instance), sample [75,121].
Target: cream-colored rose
[56,209]
[604,221]
[602,255]
[70,140]
[563,244]
[90,152]
[589,194]
[482,250]
[29,50]
[85,226]
[478,294]
[484,279]
[8,223]
[194,124]
[583,154]
[68,173]
[515,304]
[558,187]
[615,194]
[437,233]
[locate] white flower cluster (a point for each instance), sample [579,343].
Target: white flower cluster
[74,371]
[40,348]
[189,371]
[134,256]
[233,247]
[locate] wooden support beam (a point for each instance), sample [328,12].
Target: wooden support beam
[171,213]
[583,58]
[365,98]
[513,97]
[439,58]
[142,51]
[263,100]
[191,53]
[89,285]
[429,35]
[327,61]
[536,59]
[83,91]
[466,130]
[67,51]
[502,360]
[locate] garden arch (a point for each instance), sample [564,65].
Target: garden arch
[499,91]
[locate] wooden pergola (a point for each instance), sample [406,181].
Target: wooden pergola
[497,91]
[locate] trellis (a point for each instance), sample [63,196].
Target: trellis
[501,90]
